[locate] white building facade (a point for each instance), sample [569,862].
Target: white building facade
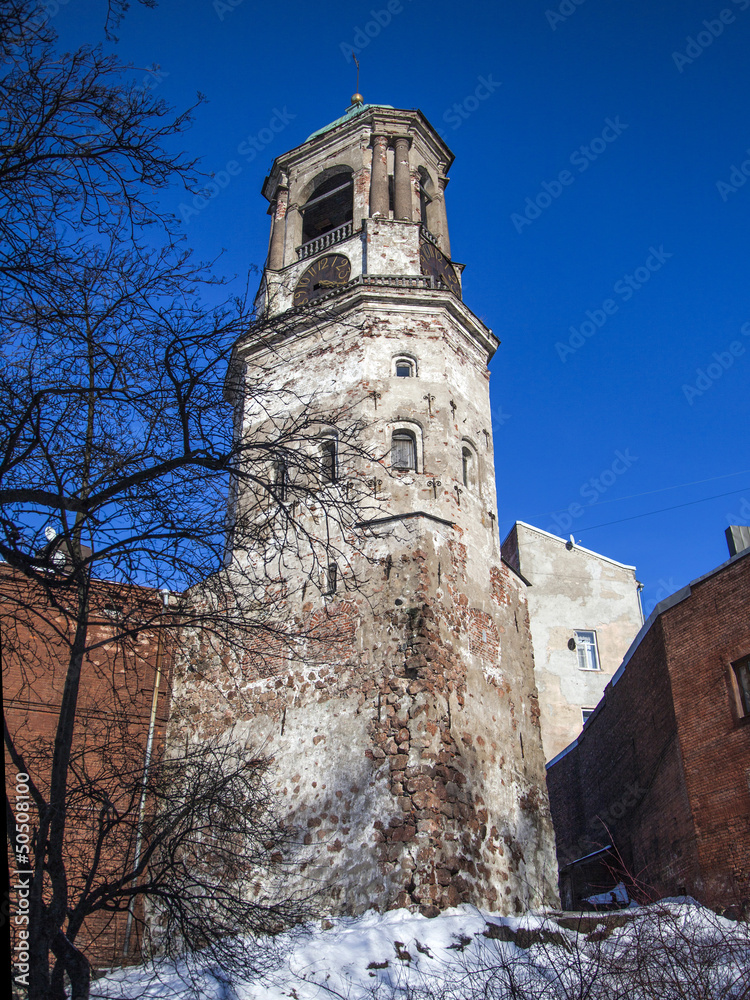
[585,611]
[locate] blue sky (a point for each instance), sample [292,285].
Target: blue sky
[598,200]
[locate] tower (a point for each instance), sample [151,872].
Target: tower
[406,744]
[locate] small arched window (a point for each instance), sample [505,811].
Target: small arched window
[467,463]
[281,480]
[404,366]
[328,460]
[330,579]
[469,467]
[403,450]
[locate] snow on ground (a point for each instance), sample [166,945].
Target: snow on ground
[465,953]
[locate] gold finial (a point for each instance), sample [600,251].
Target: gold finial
[357,98]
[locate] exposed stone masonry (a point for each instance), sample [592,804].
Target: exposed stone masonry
[404,720]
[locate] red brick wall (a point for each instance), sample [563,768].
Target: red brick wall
[114,707]
[665,760]
[623,783]
[706,634]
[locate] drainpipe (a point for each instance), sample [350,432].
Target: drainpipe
[164,595]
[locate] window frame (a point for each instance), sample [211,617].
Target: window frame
[341,178]
[742,687]
[329,469]
[592,647]
[470,469]
[426,196]
[331,574]
[281,480]
[404,434]
[405,359]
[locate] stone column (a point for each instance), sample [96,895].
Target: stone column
[441,216]
[361,195]
[401,180]
[379,178]
[292,231]
[276,253]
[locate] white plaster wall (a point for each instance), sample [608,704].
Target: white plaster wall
[574,589]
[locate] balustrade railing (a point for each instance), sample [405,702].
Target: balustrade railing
[417,281]
[400,280]
[424,231]
[313,247]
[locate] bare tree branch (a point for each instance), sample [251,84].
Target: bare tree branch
[120,395]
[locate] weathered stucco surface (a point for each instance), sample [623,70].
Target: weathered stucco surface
[404,725]
[572,589]
[406,743]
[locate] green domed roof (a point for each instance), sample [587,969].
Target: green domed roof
[355,109]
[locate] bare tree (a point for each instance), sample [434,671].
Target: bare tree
[118,402]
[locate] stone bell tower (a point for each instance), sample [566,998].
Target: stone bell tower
[407,749]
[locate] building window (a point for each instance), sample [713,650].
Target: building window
[330,206]
[281,480]
[468,467]
[330,579]
[328,460]
[586,714]
[404,367]
[403,450]
[588,654]
[742,674]
[424,197]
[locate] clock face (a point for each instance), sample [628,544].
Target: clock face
[326,273]
[434,263]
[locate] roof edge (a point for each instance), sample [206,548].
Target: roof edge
[581,548]
[563,753]
[669,602]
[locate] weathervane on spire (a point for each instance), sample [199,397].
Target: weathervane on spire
[357,98]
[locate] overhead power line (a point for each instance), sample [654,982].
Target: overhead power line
[648,493]
[663,509]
